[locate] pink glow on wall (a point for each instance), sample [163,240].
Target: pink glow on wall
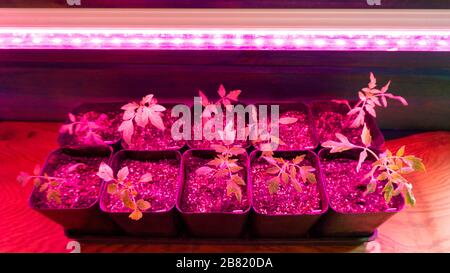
[166,39]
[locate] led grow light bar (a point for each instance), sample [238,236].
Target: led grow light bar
[225,30]
[223,40]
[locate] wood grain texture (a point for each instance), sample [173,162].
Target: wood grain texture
[420,229]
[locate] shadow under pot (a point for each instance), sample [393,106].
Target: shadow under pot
[352,213]
[206,208]
[299,135]
[198,128]
[92,124]
[153,177]
[288,208]
[330,117]
[152,138]
[70,195]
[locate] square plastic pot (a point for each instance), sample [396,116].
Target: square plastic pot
[295,106]
[90,220]
[287,225]
[213,224]
[342,224]
[64,139]
[153,223]
[319,106]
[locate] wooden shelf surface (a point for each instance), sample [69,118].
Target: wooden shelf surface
[424,228]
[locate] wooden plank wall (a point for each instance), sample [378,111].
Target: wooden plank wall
[46,84]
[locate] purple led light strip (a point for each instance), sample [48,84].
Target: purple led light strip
[166,39]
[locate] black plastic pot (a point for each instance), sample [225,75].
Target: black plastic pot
[319,106]
[295,106]
[78,220]
[342,224]
[287,225]
[179,146]
[67,140]
[213,224]
[153,223]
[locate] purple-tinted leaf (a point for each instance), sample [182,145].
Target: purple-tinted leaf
[205,101]
[373,81]
[296,185]
[204,170]
[156,120]
[146,178]
[147,99]
[345,102]
[274,184]
[132,106]
[66,128]
[233,95]
[221,91]
[226,102]
[384,101]
[354,111]
[237,150]
[287,120]
[105,172]
[129,114]
[233,188]
[361,96]
[375,100]
[386,87]
[74,167]
[362,157]
[371,110]
[127,130]
[342,138]
[366,137]
[371,187]
[142,116]
[157,108]
[135,215]
[122,174]
[72,117]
